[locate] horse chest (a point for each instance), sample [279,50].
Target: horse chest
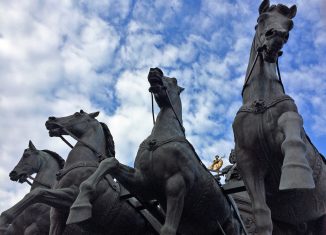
[250,129]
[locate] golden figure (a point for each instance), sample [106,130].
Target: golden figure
[216,165]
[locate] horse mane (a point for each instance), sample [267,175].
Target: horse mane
[284,10]
[56,157]
[110,148]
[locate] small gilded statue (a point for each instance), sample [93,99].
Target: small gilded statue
[216,165]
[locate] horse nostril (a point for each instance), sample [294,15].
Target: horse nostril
[12,174]
[52,118]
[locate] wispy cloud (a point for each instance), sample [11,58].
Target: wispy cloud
[59,57]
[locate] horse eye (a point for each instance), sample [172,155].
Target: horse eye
[262,17]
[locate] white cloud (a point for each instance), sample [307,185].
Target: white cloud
[59,57]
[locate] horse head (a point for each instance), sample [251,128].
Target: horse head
[273,27]
[77,124]
[27,165]
[165,89]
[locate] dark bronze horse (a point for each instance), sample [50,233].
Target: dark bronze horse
[35,219]
[167,169]
[284,173]
[114,216]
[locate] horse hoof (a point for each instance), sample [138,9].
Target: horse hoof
[79,213]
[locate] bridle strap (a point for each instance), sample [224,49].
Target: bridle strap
[39,182]
[279,74]
[180,123]
[250,72]
[259,51]
[28,182]
[175,114]
[66,141]
[99,155]
[153,115]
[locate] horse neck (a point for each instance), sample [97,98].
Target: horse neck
[94,137]
[263,83]
[46,175]
[167,124]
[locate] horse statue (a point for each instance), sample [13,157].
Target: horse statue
[35,219]
[284,173]
[241,198]
[167,169]
[114,216]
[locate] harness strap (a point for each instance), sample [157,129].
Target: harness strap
[37,181]
[153,144]
[64,171]
[260,106]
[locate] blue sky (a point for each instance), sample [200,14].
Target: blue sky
[58,57]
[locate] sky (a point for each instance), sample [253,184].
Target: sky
[57,57]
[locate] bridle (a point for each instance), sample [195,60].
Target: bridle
[100,156]
[34,180]
[259,51]
[151,90]
[37,181]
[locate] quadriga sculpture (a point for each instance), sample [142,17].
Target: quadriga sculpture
[284,173]
[167,169]
[35,219]
[94,142]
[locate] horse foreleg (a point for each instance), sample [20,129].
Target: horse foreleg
[296,172]
[59,198]
[253,174]
[175,191]
[81,209]
[32,230]
[58,220]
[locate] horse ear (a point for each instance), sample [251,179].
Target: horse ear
[263,6]
[181,89]
[93,115]
[293,12]
[31,146]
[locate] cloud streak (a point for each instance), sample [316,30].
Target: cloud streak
[59,57]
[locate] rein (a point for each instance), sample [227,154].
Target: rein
[153,115]
[35,180]
[153,145]
[99,155]
[258,54]
[175,114]
[180,123]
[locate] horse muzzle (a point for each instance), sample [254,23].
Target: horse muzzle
[21,178]
[54,129]
[273,47]
[156,89]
